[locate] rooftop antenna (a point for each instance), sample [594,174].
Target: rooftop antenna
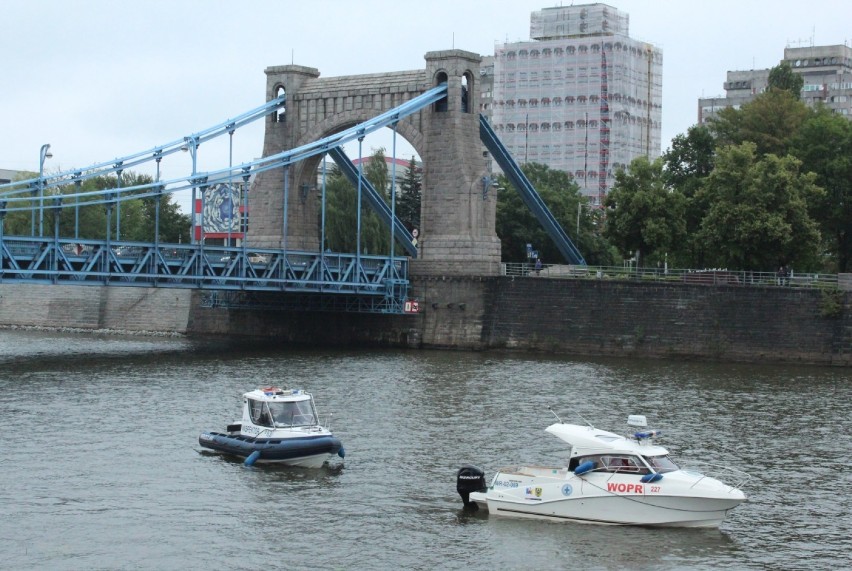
[292,56]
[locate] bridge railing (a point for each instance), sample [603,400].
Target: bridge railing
[674,275]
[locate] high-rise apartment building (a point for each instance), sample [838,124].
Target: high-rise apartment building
[826,71]
[580,96]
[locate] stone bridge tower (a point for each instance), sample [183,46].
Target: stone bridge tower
[457,235]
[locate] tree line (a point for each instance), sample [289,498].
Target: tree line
[135,217]
[762,186]
[759,187]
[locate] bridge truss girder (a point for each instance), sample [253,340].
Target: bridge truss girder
[367,284]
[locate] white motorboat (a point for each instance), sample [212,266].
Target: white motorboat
[610,479]
[278,426]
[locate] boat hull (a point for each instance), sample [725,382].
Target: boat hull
[681,499]
[306,451]
[662,512]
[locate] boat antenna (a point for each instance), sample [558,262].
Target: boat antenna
[550,408]
[584,420]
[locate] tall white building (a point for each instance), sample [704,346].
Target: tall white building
[580,96]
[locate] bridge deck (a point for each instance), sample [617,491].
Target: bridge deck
[370,283]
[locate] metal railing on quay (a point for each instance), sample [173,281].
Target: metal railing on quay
[714,276]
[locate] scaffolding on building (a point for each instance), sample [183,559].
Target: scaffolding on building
[581,96]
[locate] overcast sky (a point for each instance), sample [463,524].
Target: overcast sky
[100,79]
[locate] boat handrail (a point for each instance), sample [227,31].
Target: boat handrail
[737,477]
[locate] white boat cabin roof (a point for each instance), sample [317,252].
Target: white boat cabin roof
[276,394]
[585,440]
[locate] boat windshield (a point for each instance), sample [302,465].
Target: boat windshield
[298,413]
[661,464]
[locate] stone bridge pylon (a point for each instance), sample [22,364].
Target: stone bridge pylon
[457,234]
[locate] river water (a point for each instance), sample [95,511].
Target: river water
[100,466]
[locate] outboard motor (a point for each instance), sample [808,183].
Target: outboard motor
[469,479]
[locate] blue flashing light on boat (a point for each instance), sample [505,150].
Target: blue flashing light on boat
[586,466]
[652,477]
[647,434]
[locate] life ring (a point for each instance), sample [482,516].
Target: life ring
[271,390]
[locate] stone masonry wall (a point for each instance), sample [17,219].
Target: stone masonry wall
[95,307]
[577,317]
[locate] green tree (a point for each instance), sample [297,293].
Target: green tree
[824,145]
[643,215]
[687,164]
[782,77]
[82,218]
[769,121]
[758,216]
[517,226]
[340,220]
[408,205]
[341,210]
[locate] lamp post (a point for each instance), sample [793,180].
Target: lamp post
[43,155]
[191,146]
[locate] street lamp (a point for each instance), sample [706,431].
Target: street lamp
[43,155]
[191,146]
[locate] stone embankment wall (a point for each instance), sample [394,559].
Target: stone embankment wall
[578,317]
[131,309]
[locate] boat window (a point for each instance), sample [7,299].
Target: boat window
[623,464]
[259,413]
[661,464]
[298,413]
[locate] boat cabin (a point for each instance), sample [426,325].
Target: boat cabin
[276,408]
[626,463]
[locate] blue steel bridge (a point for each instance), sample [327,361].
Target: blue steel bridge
[307,280]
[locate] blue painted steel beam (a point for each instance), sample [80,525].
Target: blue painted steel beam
[154,154]
[528,193]
[92,262]
[375,200]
